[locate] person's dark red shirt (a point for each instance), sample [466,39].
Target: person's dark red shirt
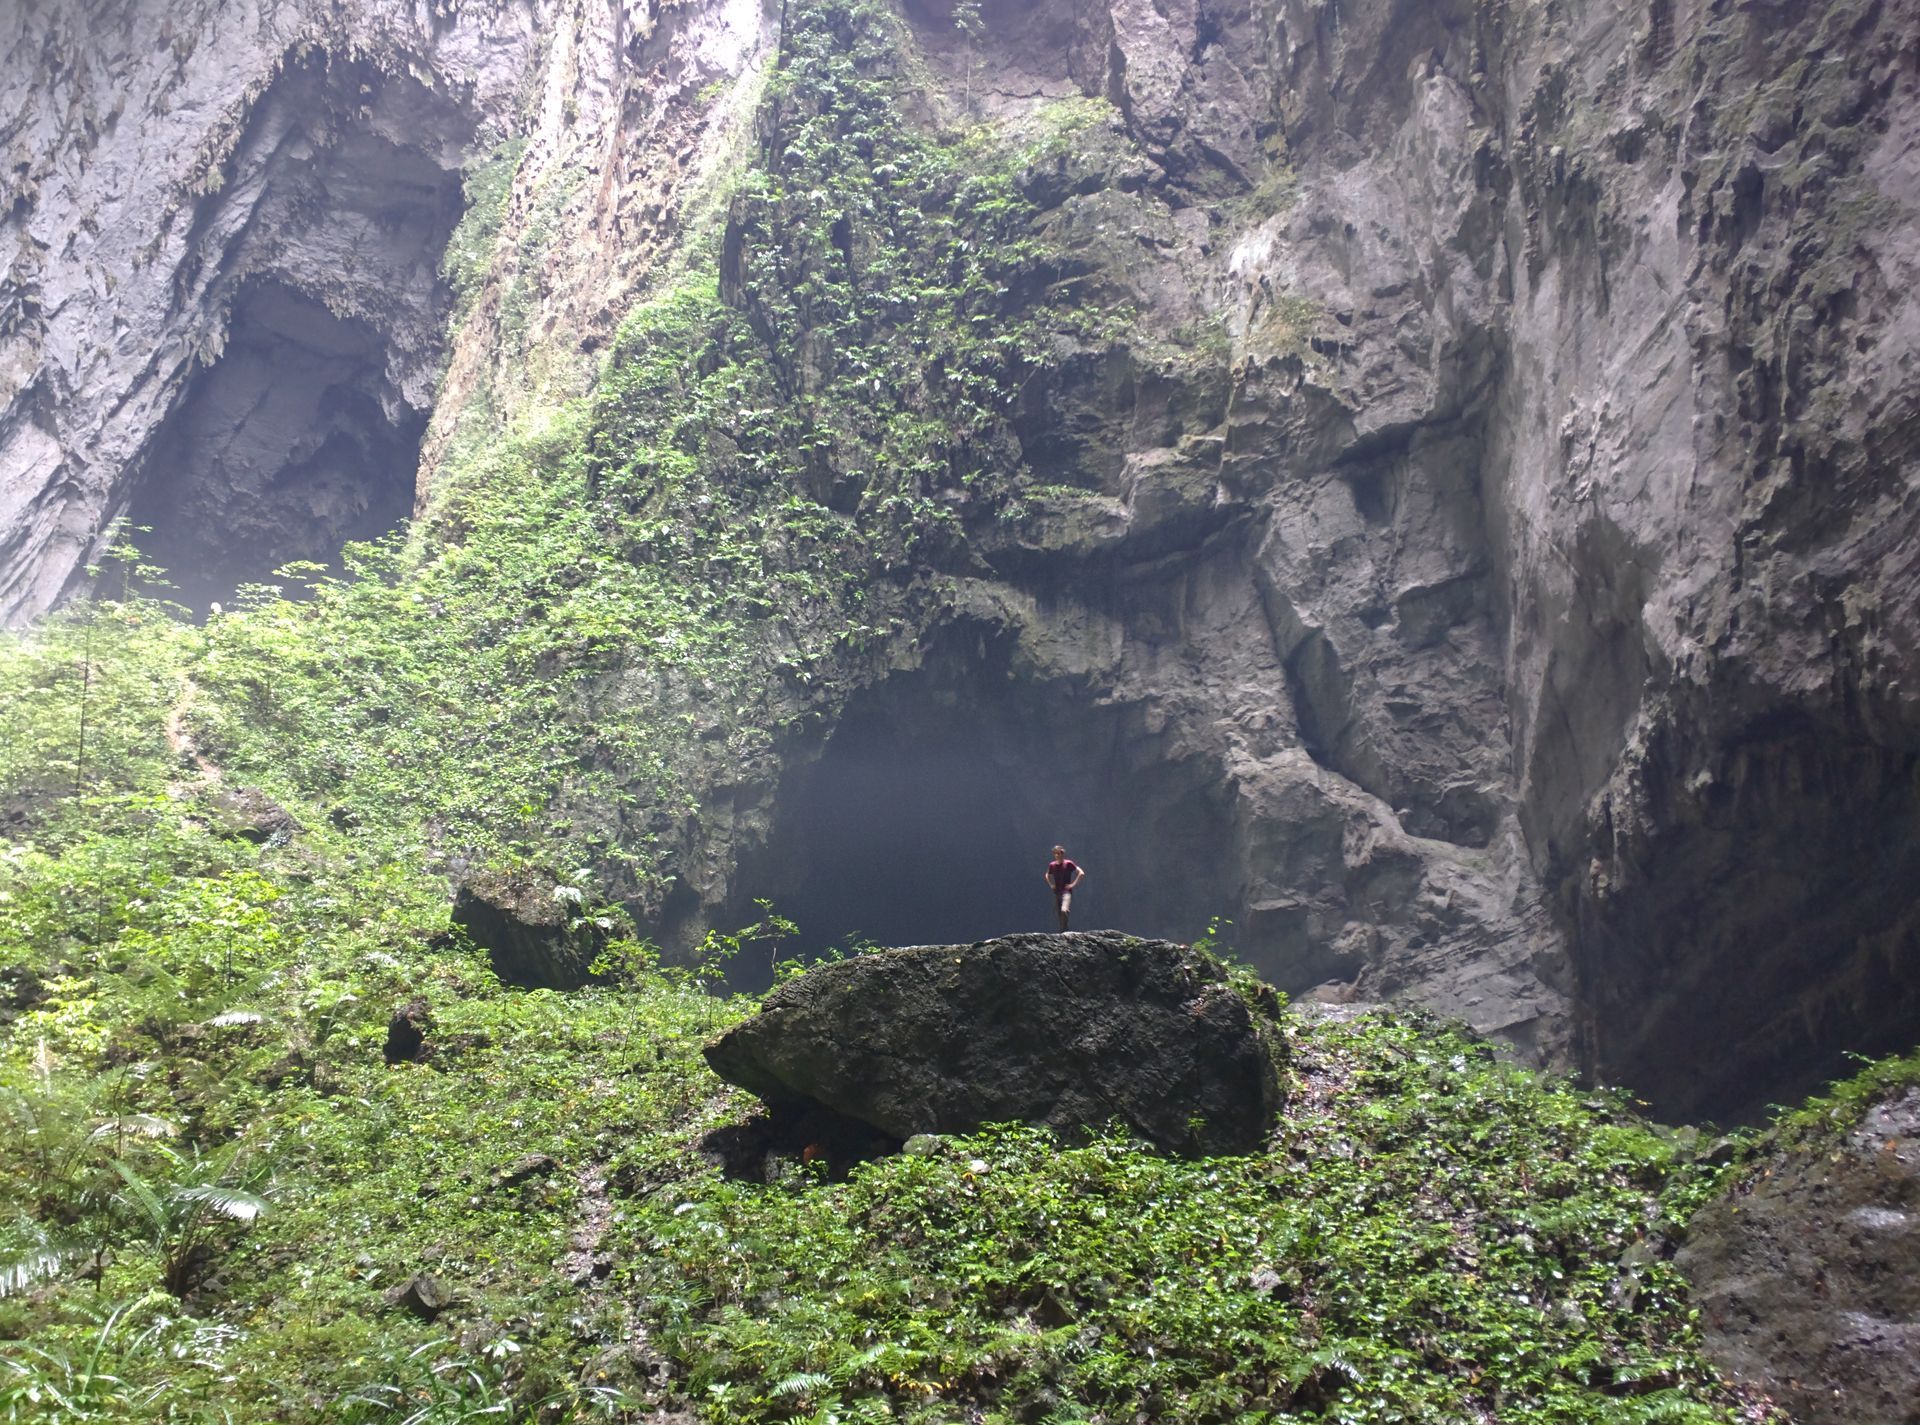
[1061,873]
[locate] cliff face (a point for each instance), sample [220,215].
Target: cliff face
[228,291]
[222,237]
[1661,264]
[1477,556]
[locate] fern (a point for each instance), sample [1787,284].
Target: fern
[133,1125]
[1335,1358]
[234,1017]
[1671,1406]
[24,1270]
[1580,1361]
[800,1383]
[228,1202]
[179,1217]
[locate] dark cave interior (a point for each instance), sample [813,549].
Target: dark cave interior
[301,430]
[929,816]
[288,446]
[1771,936]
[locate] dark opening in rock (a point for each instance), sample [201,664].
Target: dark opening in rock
[758,1148]
[298,425]
[1735,959]
[291,444]
[929,817]
[407,1033]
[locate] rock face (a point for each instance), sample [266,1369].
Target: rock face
[1520,614]
[207,199]
[529,929]
[1808,1277]
[223,308]
[1070,1030]
[1480,558]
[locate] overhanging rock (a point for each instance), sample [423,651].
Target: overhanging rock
[1068,1030]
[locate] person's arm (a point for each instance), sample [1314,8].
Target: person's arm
[1079,874]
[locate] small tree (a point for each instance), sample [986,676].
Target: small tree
[60,1148]
[967,20]
[181,1217]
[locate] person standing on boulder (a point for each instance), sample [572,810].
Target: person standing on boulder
[1062,876]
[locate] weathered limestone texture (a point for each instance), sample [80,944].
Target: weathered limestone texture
[221,304]
[1807,1274]
[1485,554]
[1569,449]
[1073,1030]
[167,160]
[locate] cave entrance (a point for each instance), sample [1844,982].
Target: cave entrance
[299,426]
[288,446]
[929,815]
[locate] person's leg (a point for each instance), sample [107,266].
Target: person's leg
[1066,907]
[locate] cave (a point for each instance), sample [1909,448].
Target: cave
[928,816]
[1767,934]
[290,445]
[299,422]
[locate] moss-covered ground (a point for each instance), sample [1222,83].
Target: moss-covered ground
[214,1184]
[215,1181]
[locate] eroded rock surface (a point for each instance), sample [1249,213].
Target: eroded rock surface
[530,928]
[222,303]
[200,195]
[1073,1030]
[1808,1275]
[1521,589]
[1481,560]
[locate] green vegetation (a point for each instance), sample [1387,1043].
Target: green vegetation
[1841,1108]
[216,1189]
[469,255]
[1433,1236]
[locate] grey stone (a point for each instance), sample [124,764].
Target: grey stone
[526,1169]
[1807,1274]
[248,814]
[424,1295]
[531,935]
[1070,1030]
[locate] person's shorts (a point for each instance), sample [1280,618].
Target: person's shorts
[1066,900]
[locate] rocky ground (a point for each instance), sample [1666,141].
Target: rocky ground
[1805,1272]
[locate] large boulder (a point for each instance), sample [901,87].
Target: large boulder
[530,927]
[1807,1274]
[247,814]
[1076,1029]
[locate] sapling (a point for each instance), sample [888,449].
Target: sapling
[966,19]
[181,1216]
